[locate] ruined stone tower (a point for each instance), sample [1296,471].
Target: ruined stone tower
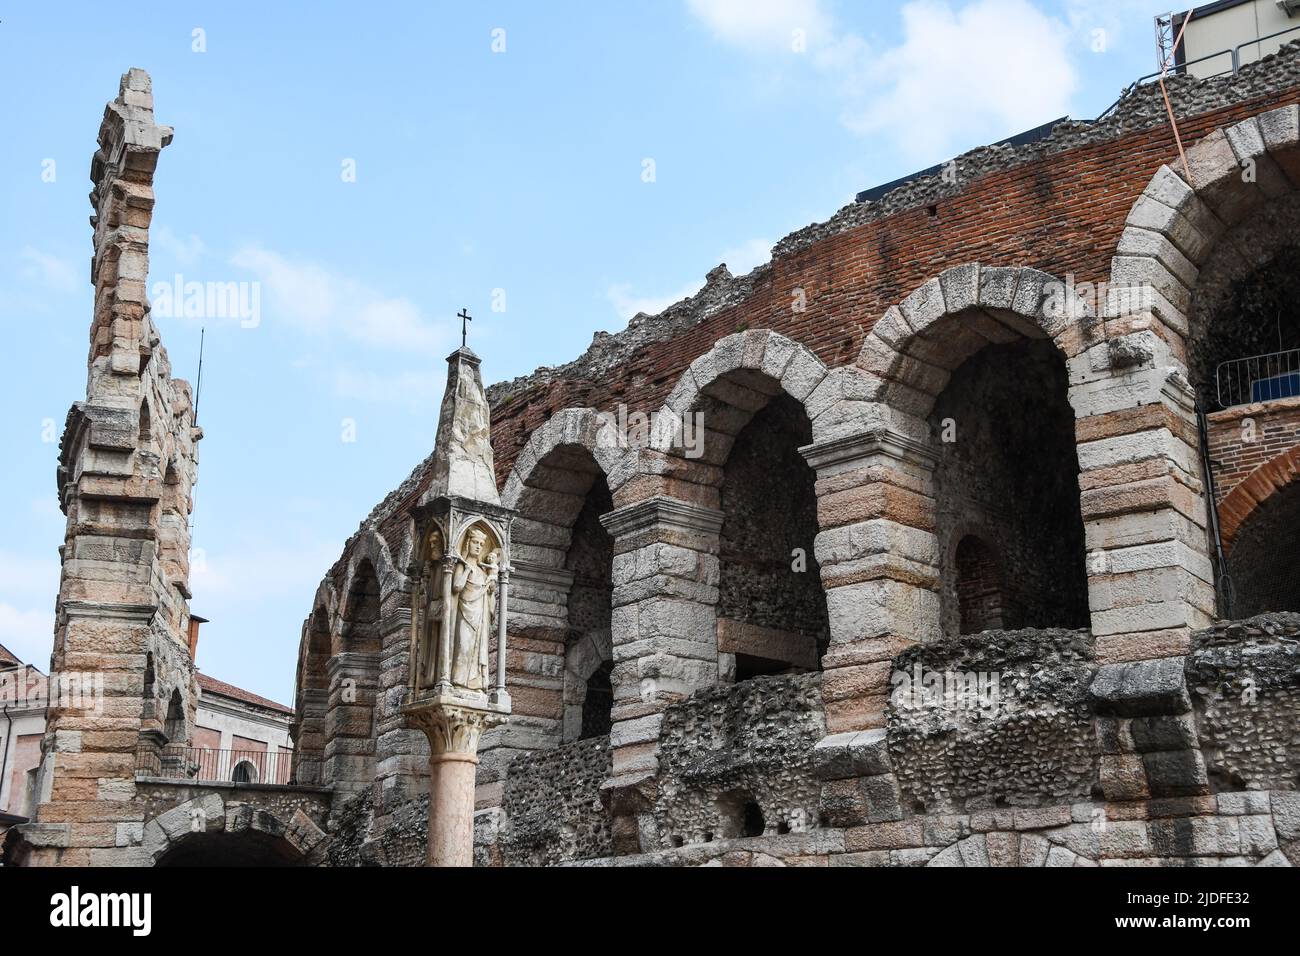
[122,666]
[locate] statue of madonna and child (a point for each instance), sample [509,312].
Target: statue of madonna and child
[473,587]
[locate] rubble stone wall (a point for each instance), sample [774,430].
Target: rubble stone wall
[553,807]
[1011,725]
[724,749]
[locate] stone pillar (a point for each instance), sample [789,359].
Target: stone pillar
[1150,582]
[879,561]
[349,724]
[453,728]
[664,637]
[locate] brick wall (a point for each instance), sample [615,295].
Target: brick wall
[1245,437]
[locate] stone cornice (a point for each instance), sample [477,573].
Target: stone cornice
[879,441]
[104,609]
[664,513]
[529,572]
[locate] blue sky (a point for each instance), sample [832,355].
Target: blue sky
[512,178]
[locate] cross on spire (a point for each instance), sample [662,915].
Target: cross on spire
[464,317]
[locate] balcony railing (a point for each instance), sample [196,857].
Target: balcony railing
[1260,378]
[1234,64]
[216,766]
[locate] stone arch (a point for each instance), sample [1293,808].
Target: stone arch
[370,547]
[1182,234]
[1183,214]
[947,349]
[583,428]
[351,716]
[1260,518]
[913,349]
[584,658]
[1002,848]
[734,379]
[209,830]
[561,580]
[312,686]
[734,425]
[1255,489]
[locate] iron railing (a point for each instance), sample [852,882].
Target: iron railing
[1234,66]
[220,766]
[1260,378]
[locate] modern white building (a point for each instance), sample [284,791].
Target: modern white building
[239,736]
[1224,36]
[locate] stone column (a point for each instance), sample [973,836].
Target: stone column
[879,559]
[664,636]
[453,729]
[1150,582]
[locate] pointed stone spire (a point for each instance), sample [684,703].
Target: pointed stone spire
[462,459]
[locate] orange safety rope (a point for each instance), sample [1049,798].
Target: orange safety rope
[1164,69]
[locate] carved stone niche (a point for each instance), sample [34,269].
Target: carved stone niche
[461,569]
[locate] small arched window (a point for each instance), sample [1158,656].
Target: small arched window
[174,727]
[244,772]
[598,703]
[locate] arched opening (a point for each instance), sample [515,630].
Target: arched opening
[1264,562]
[312,703]
[1244,361]
[244,772]
[174,724]
[1245,346]
[354,679]
[1004,432]
[740,815]
[574,479]
[243,848]
[598,703]
[771,608]
[979,585]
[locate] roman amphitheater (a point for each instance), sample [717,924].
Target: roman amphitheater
[961,533]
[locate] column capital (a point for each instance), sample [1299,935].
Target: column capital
[662,513]
[853,451]
[452,725]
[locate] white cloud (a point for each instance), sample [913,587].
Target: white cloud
[57,275]
[256,570]
[975,71]
[29,635]
[744,258]
[28,578]
[992,65]
[739,259]
[627,304]
[421,390]
[763,24]
[185,252]
[316,300]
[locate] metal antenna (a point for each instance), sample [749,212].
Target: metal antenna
[198,389]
